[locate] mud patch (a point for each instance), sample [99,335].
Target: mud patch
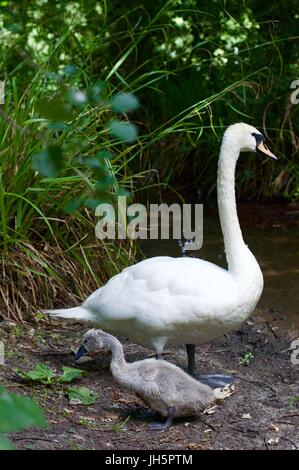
[263,412]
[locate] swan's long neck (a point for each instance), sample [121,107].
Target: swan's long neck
[239,258]
[119,366]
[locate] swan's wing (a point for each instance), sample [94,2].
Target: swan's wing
[161,285]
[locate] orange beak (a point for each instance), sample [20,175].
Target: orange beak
[263,149]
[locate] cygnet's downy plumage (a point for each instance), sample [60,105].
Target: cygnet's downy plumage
[164,387]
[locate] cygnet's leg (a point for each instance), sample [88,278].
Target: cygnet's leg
[161,426]
[212,380]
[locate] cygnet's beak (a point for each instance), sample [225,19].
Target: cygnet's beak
[81,352]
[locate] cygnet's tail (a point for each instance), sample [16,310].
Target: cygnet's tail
[78,313]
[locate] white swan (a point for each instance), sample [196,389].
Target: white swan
[162,386]
[165,301]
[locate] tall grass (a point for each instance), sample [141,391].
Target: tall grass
[52,257]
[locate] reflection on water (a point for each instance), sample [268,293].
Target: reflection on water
[276,249]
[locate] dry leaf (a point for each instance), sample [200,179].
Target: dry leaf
[126,401]
[273,427]
[273,440]
[211,410]
[246,416]
[68,411]
[225,392]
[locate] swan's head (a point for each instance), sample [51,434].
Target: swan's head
[92,342]
[248,139]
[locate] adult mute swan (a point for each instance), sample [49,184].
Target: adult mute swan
[165,301]
[163,387]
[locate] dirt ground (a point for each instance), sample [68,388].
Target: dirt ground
[262,413]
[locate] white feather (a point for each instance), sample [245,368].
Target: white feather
[166,301]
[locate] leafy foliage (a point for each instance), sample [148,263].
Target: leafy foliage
[75,74]
[81,395]
[17,413]
[44,374]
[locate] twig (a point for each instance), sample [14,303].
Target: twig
[266,443]
[292,442]
[53,353]
[33,438]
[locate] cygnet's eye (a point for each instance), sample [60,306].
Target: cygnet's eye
[85,341]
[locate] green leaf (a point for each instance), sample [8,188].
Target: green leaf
[70,373]
[54,109]
[18,412]
[103,154]
[48,162]
[13,27]
[41,373]
[81,395]
[74,204]
[58,126]
[5,444]
[97,92]
[125,131]
[105,182]
[95,163]
[124,102]
[70,69]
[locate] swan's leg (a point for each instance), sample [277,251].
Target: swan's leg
[212,380]
[191,358]
[161,426]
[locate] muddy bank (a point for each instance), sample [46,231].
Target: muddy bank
[262,413]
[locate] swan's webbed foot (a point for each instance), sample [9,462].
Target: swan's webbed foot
[214,380]
[162,426]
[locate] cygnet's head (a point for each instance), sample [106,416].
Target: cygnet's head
[92,342]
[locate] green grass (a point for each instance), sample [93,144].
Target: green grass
[51,257]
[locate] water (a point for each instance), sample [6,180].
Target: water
[274,240]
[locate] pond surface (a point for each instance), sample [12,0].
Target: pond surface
[272,234]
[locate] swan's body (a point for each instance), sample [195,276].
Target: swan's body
[162,386]
[167,301]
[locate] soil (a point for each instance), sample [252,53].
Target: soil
[262,413]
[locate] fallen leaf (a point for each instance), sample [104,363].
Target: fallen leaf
[273,440]
[211,410]
[225,392]
[126,401]
[81,396]
[194,445]
[246,416]
[273,427]
[67,410]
